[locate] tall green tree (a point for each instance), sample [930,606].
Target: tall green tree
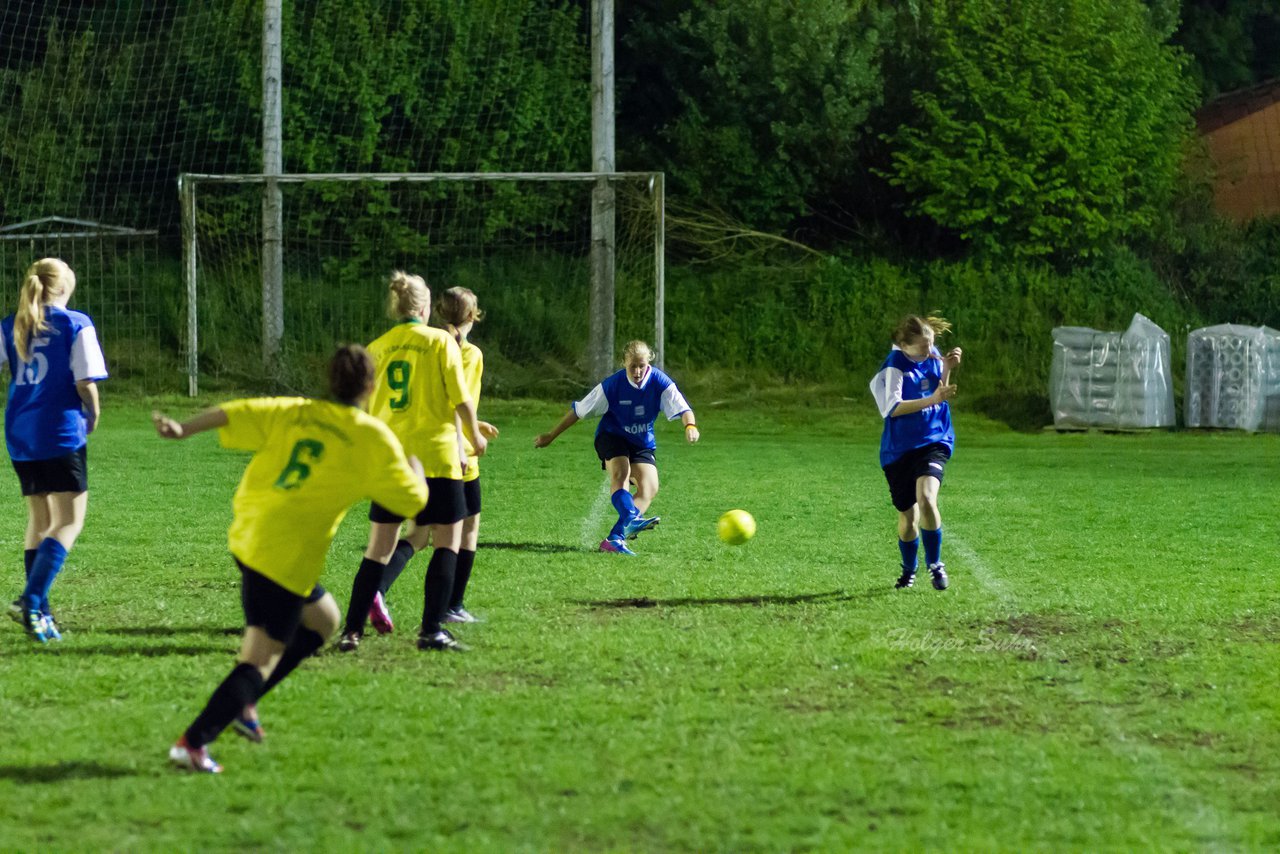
[1233,43]
[755,107]
[1044,128]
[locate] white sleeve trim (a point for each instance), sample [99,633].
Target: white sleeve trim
[673,403]
[595,403]
[886,388]
[87,362]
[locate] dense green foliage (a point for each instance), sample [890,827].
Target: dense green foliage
[756,107]
[1047,129]
[102,108]
[1029,160]
[832,319]
[1233,43]
[1090,682]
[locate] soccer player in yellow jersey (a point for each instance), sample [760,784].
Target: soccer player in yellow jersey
[459,310]
[312,459]
[421,394]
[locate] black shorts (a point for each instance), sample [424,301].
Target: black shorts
[270,607]
[610,445]
[446,504]
[471,496]
[68,473]
[903,472]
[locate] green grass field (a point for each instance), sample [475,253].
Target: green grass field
[1101,674]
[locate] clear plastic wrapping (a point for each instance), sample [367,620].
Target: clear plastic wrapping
[1233,378]
[1112,379]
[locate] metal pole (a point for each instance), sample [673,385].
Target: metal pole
[660,269]
[603,209]
[272,203]
[187,194]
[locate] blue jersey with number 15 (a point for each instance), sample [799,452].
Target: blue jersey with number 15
[43,418]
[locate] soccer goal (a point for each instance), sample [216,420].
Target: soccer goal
[521,241]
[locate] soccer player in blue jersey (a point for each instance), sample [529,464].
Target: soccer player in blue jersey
[912,389]
[54,364]
[628,403]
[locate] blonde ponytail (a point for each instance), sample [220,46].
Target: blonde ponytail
[46,281]
[912,328]
[409,294]
[455,307]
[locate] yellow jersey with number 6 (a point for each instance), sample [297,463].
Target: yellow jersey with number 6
[419,385]
[312,459]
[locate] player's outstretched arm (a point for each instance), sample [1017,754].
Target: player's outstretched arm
[690,426]
[168,428]
[544,439]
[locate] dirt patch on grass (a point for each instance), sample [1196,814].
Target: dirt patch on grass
[1036,626]
[1253,628]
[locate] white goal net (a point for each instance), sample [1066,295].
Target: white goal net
[522,242]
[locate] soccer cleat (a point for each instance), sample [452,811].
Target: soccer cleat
[441,641]
[350,641]
[461,615]
[196,759]
[247,724]
[37,629]
[938,571]
[51,629]
[16,611]
[907,579]
[616,545]
[637,524]
[379,616]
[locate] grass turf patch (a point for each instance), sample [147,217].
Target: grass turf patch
[1100,674]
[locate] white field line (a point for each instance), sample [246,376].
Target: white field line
[1201,820]
[981,573]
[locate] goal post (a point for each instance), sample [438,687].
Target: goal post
[521,240]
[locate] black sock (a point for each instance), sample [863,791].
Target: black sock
[241,687]
[305,643]
[466,558]
[399,560]
[28,558]
[363,589]
[437,589]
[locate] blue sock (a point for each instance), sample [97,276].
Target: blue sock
[623,503]
[626,507]
[932,545]
[910,549]
[28,558]
[50,556]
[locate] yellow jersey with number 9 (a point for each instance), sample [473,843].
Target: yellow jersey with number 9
[418,385]
[312,459]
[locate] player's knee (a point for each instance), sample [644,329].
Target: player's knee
[322,616]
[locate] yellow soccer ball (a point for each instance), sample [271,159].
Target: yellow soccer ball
[736,527]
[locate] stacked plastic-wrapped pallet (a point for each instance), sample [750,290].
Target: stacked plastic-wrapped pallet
[1116,380]
[1233,377]
[1271,382]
